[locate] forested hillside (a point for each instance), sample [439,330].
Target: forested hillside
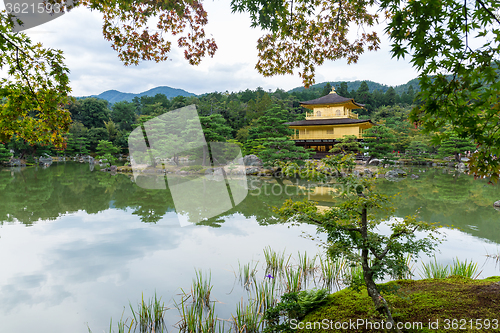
[249,118]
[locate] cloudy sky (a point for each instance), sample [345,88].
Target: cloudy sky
[95,66]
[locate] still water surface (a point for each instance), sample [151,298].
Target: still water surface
[77,246]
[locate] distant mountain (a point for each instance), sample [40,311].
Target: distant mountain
[113,96]
[372,86]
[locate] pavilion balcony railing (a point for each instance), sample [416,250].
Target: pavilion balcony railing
[310,115]
[308,136]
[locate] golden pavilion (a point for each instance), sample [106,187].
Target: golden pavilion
[331,118]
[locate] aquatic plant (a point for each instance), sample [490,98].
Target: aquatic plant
[464,269]
[331,271]
[275,262]
[150,316]
[247,274]
[433,270]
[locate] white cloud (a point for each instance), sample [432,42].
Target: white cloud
[95,66]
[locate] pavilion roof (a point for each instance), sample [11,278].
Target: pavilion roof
[333,99]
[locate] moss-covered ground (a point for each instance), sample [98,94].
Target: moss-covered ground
[455,304]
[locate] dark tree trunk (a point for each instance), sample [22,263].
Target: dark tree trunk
[379,302]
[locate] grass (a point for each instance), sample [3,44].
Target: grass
[247,274]
[248,318]
[417,301]
[434,270]
[331,272]
[424,297]
[276,262]
[468,270]
[150,316]
[307,266]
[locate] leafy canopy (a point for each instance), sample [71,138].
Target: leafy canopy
[36,88]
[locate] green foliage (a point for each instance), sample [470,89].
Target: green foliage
[346,145]
[351,228]
[33,90]
[451,144]
[459,80]
[5,154]
[418,150]
[271,125]
[380,141]
[106,150]
[295,305]
[215,128]
[283,149]
[194,168]
[123,114]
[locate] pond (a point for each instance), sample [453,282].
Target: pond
[77,246]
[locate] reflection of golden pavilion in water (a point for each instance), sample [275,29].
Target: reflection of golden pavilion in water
[331,118]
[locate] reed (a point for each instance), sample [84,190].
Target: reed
[408,269]
[433,270]
[353,276]
[149,317]
[248,317]
[265,294]
[495,256]
[247,274]
[464,269]
[196,317]
[275,262]
[201,289]
[307,266]
[331,272]
[293,280]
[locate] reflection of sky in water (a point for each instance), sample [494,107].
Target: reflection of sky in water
[57,276]
[85,268]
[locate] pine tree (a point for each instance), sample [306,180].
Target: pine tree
[5,154]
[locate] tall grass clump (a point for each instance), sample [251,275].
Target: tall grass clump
[293,280]
[248,318]
[464,269]
[408,268]
[434,270]
[353,277]
[331,272]
[275,262]
[150,316]
[196,308]
[266,294]
[201,289]
[307,266]
[247,274]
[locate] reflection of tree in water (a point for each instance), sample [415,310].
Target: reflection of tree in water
[449,199]
[33,194]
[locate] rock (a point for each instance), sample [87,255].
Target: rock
[355,173]
[496,204]
[434,164]
[112,168]
[252,160]
[252,171]
[415,176]
[464,159]
[368,173]
[452,164]
[374,162]
[396,173]
[461,166]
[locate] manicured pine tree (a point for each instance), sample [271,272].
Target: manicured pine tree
[5,154]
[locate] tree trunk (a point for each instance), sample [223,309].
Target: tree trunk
[379,302]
